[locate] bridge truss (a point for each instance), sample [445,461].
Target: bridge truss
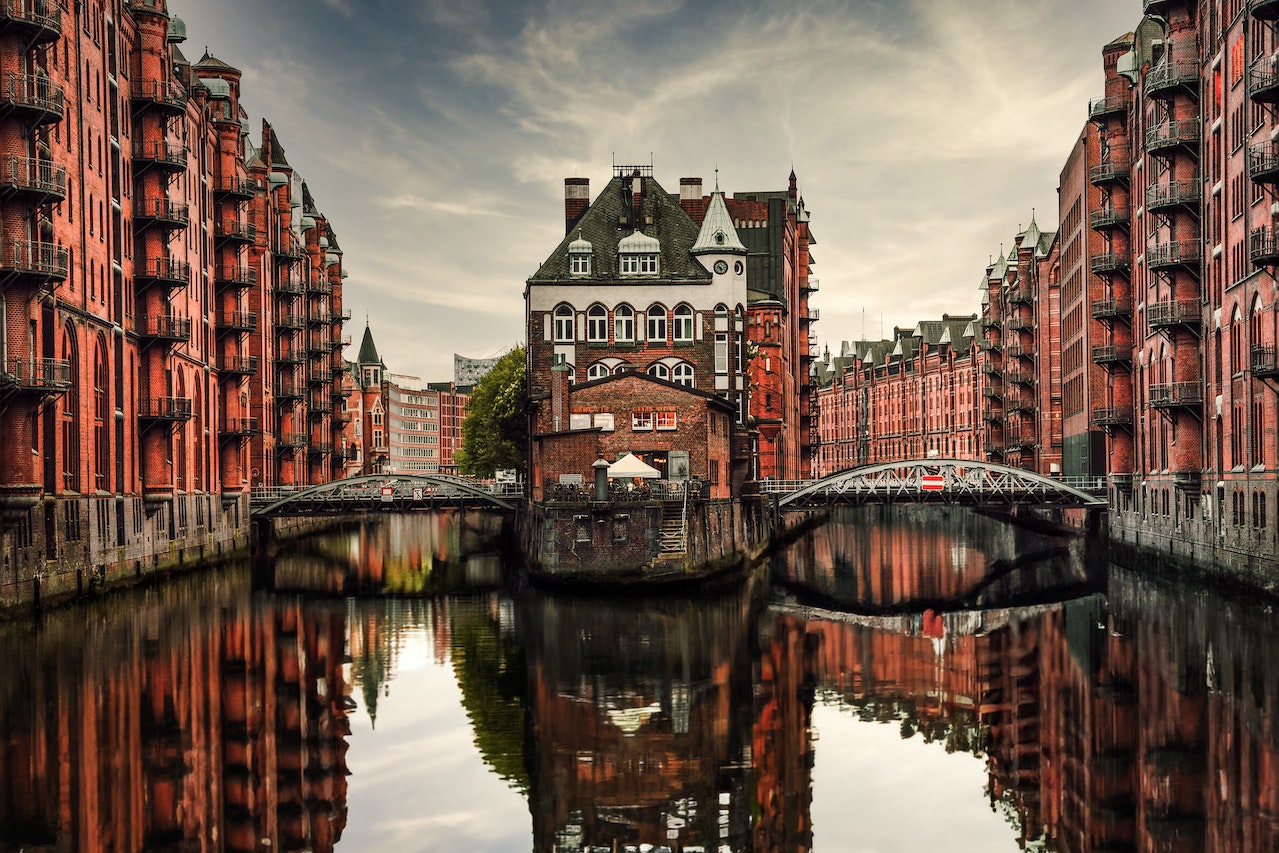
[386,493]
[935,481]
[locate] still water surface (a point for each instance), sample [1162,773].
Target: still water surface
[906,680]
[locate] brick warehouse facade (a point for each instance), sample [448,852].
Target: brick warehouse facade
[171,297]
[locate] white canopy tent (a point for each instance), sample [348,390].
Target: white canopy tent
[631,466]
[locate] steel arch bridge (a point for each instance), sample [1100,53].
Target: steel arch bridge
[385,493]
[964,482]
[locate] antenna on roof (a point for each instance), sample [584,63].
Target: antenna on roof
[716,177]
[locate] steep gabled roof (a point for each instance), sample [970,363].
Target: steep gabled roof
[209,62]
[718,233]
[610,218]
[368,350]
[277,150]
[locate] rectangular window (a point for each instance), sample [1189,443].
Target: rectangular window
[629,264]
[580,264]
[648,264]
[623,328]
[604,421]
[666,420]
[721,353]
[657,326]
[641,421]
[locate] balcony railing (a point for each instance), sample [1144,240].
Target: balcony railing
[1021,324]
[290,357]
[992,414]
[1108,217]
[239,427]
[1263,247]
[1018,296]
[994,448]
[291,439]
[163,95]
[1172,395]
[1112,171]
[320,448]
[38,98]
[36,375]
[289,286]
[234,188]
[342,316]
[1172,134]
[34,259]
[1111,309]
[319,285]
[165,409]
[1168,75]
[165,272]
[238,365]
[1111,354]
[320,376]
[992,346]
[1020,377]
[1101,109]
[990,369]
[289,391]
[1109,262]
[163,212]
[1109,418]
[1263,161]
[165,155]
[290,322]
[1264,362]
[1173,194]
[290,248]
[993,390]
[1164,315]
[236,230]
[234,276]
[39,180]
[40,21]
[1187,481]
[1174,253]
[168,327]
[1021,351]
[318,317]
[238,322]
[1263,84]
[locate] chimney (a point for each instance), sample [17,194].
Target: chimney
[637,196]
[559,395]
[690,197]
[577,198]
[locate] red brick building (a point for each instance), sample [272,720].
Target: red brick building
[153,275]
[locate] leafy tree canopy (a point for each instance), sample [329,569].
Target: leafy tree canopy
[495,432]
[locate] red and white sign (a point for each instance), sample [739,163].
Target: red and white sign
[387,493]
[931,483]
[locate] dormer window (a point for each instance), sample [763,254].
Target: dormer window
[579,256]
[638,254]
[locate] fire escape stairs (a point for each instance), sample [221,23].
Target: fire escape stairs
[671,533]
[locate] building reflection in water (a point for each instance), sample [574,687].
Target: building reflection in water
[1111,712]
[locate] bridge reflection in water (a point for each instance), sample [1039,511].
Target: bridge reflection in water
[1125,714]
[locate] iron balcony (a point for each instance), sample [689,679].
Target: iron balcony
[37,375]
[238,322]
[236,231]
[1021,324]
[163,212]
[234,276]
[290,322]
[290,249]
[1173,194]
[1113,171]
[1020,377]
[35,260]
[291,439]
[1166,315]
[168,156]
[40,181]
[165,272]
[1176,395]
[993,414]
[171,409]
[289,391]
[168,327]
[320,448]
[161,95]
[239,188]
[320,376]
[237,365]
[239,427]
[291,357]
[1174,253]
[1111,417]
[1020,296]
[1263,84]
[1263,161]
[39,21]
[1263,362]
[37,98]
[1108,217]
[1111,309]
[1021,351]
[1101,109]
[1108,262]
[1169,75]
[288,286]
[319,285]
[1110,354]
[1263,247]
[1187,481]
[1170,135]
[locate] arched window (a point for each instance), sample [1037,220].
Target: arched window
[659,371]
[597,324]
[623,324]
[71,416]
[564,333]
[101,416]
[657,324]
[598,370]
[683,324]
[683,374]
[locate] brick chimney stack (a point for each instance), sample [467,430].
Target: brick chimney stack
[559,395]
[577,198]
[690,197]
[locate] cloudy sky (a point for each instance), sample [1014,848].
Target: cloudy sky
[436,136]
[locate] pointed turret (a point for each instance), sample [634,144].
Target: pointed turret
[718,233]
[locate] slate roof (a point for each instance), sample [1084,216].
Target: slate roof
[209,62]
[610,218]
[368,350]
[277,150]
[718,233]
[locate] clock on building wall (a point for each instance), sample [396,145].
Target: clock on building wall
[721,267]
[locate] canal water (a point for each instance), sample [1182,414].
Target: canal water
[897,680]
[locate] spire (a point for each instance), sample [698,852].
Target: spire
[368,350]
[718,233]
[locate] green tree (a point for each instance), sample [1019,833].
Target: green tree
[495,433]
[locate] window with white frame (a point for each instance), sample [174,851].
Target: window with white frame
[579,263]
[721,353]
[683,324]
[657,324]
[659,371]
[641,421]
[648,264]
[639,264]
[564,332]
[597,324]
[623,324]
[598,370]
[683,374]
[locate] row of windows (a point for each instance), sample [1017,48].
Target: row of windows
[680,374]
[628,264]
[645,421]
[597,324]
